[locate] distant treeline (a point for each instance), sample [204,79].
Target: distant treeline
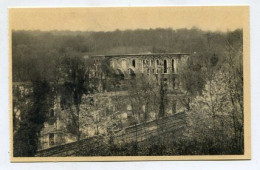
[35,52]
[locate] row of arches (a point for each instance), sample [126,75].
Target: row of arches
[166,65]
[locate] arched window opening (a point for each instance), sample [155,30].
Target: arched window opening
[165,66]
[52,118]
[157,62]
[133,63]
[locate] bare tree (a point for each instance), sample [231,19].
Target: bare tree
[234,68]
[77,83]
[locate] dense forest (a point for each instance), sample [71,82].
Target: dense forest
[212,81]
[37,52]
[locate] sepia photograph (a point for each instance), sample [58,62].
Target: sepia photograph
[129,83]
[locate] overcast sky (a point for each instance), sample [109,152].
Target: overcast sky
[109,19]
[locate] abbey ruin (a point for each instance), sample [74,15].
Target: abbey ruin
[111,111]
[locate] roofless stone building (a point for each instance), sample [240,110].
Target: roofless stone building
[161,65]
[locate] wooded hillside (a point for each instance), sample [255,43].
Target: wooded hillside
[35,52]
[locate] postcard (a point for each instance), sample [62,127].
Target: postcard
[129,83]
